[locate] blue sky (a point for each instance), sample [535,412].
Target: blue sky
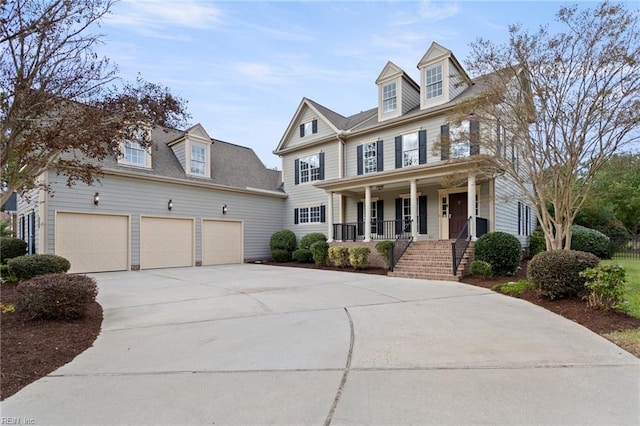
[244,66]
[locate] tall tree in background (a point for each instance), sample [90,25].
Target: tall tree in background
[60,106]
[565,103]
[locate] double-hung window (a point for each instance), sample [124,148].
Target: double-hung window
[308,128]
[198,159]
[433,81]
[135,154]
[309,168]
[370,157]
[410,149]
[313,214]
[389,98]
[406,214]
[459,138]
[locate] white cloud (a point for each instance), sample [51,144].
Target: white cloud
[438,11]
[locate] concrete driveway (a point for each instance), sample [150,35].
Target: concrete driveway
[254,344]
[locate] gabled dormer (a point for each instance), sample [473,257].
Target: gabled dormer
[442,78]
[193,150]
[397,92]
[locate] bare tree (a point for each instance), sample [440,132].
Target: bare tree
[558,106]
[62,107]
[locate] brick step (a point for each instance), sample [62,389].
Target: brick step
[424,276]
[430,260]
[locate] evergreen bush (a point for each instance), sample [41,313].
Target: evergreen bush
[359,257]
[501,250]
[384,249]
[591,241]
[320,252]
[339,256]
[302,256]
[556,274]
[11,248]
[307,240]
[25,267]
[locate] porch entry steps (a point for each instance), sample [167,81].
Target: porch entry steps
[431,260]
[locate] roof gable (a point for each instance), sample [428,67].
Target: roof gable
[434,53]
[389,71]
[332,119]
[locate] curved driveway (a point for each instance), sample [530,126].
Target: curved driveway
[256,344]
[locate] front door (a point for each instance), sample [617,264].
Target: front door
[457,213]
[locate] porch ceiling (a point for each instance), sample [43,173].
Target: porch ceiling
[441,174]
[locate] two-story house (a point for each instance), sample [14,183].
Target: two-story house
[399,169]
[187,200]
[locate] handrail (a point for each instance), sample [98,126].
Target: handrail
[459,246]
[397,249]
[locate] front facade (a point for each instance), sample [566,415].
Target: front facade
[188,200]
[400,168]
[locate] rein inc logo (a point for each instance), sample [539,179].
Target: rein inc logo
[17,421]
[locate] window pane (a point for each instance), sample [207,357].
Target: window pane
[308,128]
[134,153]
[198,159]
[433,81]
[389,97]
[410,149]
[315,214]
[370,158]
[309,168]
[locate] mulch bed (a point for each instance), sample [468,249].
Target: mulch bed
[33,349]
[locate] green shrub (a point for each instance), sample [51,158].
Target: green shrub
[606,285]
[307,240]
[10,248]
[339,256]
[302,256]
[482,268]
[591,241]
[359,257]
[55,296]
[537,242]
[503,251]
[5,275]
[513,289]
[25,267]
[320,251]
[280,255]
[284,240]
[384,249]
[556,274]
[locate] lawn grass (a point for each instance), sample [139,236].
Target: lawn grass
[513,289]
[632,291]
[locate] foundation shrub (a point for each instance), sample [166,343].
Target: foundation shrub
[384,249]
[556,274]
[501,250]
[481,268]
[537,242]
[11,248]
[606,285]
[280,255]
[302,256]
[339,256]
[25,267]
[55,296]
[320,252]
[307,240]
[283,240]
[591,241]
[359,257]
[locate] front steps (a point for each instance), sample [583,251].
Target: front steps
[431,260]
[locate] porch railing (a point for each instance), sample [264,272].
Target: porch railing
[398,248]
[459,246]
[380,230]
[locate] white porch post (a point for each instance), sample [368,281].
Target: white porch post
[329,213]
[367,213]
[414,209]
[471,204]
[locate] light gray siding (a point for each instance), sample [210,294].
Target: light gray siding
[455,88]
[260,214]
[324,130]
[410,97]
[180,152]
[507,196]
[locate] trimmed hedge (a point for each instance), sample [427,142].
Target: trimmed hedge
[359,257]
[284,240]
[339,256]
[537,242]
[302,256]
[556,274]
[320,252]
[384,249]
[11,248]
[307,240]
[280,255]
[501,250]
[25,267]
[55,296]
[591,241]
[482,268]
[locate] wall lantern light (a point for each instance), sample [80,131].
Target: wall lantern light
[96,198]
[224,209]
[170,204]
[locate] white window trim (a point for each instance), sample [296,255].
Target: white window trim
[417,149]
[309,216]
[366,170]
[460,145]
[386,109]
[122,160]
[427,84]
[310,170]
[207,158]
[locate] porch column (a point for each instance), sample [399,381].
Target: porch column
[330,217]
[471,204]
[367,213]
[414,209]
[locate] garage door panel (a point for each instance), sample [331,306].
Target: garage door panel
[93,243]
[221,242]
[166,243]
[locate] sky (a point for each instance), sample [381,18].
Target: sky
[244,66]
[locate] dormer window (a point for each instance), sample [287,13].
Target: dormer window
[433,81]
[198,159]
[308,128]
[389,98]
[135,154]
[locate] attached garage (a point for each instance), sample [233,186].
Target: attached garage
[93,242]
[222,242]
[166,242]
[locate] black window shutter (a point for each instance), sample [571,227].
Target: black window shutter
[398,152]
[474,137]
[360,218]
[321,171]
[379,155]
[422,214]
[295,216]
[444,142]
[297,171]
[519,218]
[422,147]
[301,130]
[498,140]
[380,211]
[314,126]
[360,159]
[323,213]
[398,216]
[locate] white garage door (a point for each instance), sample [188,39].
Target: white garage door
[221,242]
[93,242]
[166,242]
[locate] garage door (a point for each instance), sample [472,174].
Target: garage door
[166,242]
[92,242]
[221,242]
